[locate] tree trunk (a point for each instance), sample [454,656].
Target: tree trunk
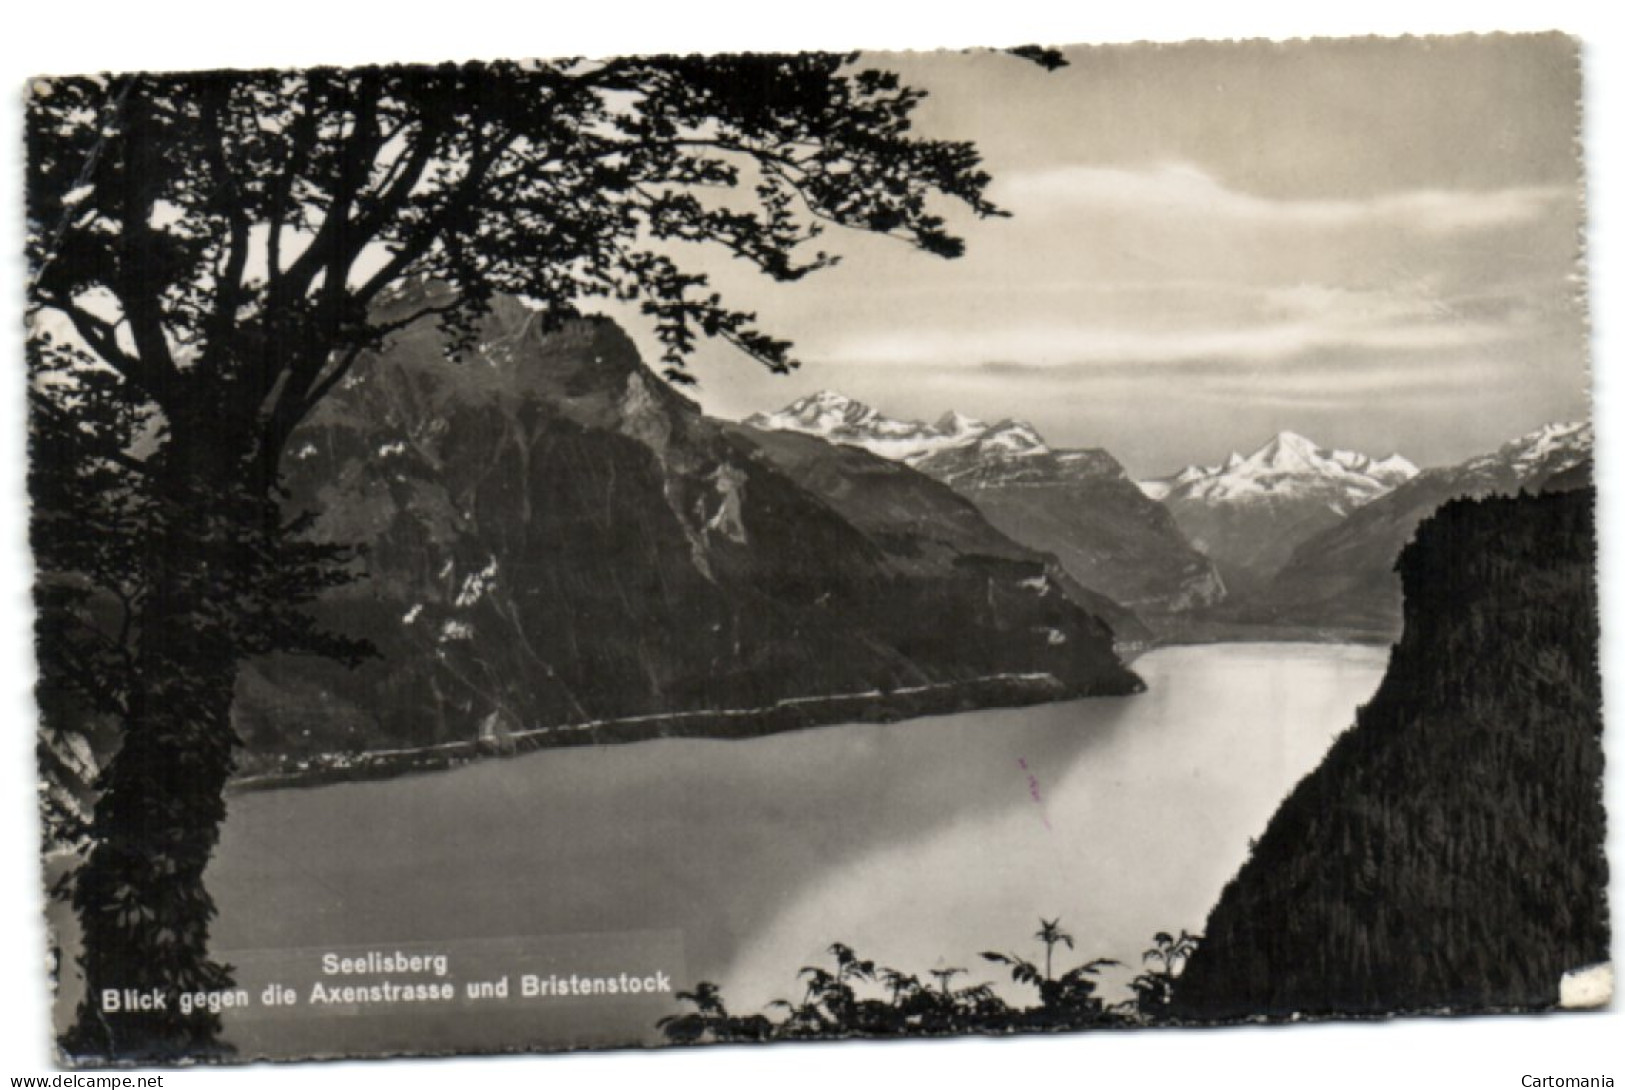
[143,910]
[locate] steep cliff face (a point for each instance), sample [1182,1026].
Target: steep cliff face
[1448,853]
[554,537]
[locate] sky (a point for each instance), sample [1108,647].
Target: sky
[1372,242]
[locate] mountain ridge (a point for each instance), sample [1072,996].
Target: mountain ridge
[1343,576]
[1249,512]
[1286,454]
[553,536]
[834,417]
[1077,504]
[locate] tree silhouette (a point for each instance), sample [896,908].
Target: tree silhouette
[220,245]
[86,593]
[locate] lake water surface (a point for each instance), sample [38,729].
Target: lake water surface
[918,843]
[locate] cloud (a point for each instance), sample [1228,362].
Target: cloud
[1171,323]
[1184,191]
[1058,345]
[1168,264]
[1372,379]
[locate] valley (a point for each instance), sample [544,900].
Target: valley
[1291,542]
[560,548]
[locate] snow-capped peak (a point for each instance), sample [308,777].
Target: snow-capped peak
[1011,437]
[1288,452]
[840,419]
[820,413]
[1571,435]
[1288,465]
[954,422]
[1549,449]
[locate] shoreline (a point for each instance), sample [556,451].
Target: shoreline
[791,713]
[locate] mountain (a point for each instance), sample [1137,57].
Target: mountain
[1344,576]
[916,515]
[1448,854]
[1288,461]
[1078,505]
[1248,513]
[555,539]
[839,419]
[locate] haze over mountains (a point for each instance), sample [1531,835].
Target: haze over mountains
[554,536]
[1293,538]
[1078,505]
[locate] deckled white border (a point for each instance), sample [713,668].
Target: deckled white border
[64,36]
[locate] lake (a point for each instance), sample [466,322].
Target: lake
[919,844]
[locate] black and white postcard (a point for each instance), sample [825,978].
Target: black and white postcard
[663,550]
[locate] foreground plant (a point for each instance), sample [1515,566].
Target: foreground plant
[832,1003]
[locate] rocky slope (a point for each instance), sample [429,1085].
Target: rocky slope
[918,516]
[555,537]
[1344,576]
[1077,505]
[1448,853]
[1249,513]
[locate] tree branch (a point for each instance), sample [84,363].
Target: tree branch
[137,289]
[102,337]
[429,231]
[227,194]
[301,137]
[324,384]
[359,148]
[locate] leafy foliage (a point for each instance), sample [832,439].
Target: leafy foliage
[710,1022]
[85,507]
[1068,997]
[245,224]
[222,246]
[860,999]
[1164,961]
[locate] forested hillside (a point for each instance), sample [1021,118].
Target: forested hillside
[1448,853]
